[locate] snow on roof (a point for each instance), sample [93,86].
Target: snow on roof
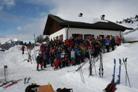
[80,22]
[85,19]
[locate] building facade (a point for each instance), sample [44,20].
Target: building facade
[58,28]
[67,33]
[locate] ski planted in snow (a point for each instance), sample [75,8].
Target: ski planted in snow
[112,85]
[113,76]
[119,75]
[101,70]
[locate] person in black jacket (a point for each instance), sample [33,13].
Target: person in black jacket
[112,43]
[39,61]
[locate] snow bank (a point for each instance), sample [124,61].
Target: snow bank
[132,36]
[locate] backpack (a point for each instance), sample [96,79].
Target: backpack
[32,88]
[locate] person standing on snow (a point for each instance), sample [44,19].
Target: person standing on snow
[43,53]
[72,56]
[107,43]
[23,48]
[118,40]
[39,61]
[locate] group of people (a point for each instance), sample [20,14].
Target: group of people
[73,51]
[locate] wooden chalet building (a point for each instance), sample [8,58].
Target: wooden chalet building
[57,27]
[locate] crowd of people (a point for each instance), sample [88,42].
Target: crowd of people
[73,51]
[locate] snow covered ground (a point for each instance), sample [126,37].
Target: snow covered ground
[67,77]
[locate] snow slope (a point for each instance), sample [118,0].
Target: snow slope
[5,39]
[132,36]
[131,25]
[126,50]
[67,77]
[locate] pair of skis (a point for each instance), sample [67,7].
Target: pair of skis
[9,83]
[12,83]
[114,71]
[127,80]
[92,64]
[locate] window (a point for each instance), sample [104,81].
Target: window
[102,36]
[61,37]
[77,36]
[87,36]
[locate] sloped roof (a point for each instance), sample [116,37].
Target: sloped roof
[55,23]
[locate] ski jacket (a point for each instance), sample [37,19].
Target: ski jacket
[107,42]
[39,59]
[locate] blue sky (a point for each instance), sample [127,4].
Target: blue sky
[19,18]
[23,18]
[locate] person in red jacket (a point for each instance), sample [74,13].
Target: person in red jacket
[118,40]
[42,48]
[57,63]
